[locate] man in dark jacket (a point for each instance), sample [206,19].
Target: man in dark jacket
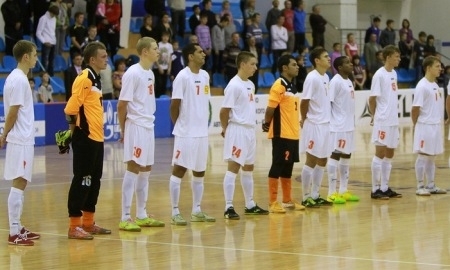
[317,23]
[12,14]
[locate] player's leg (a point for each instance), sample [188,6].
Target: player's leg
[274,175]
[332,168]
[434,146]
[344,172]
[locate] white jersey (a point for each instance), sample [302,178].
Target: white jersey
[342,97]
[316,90]
[240,97]
[138,88]
[384,88]
[17,91]
[430,101]
[194,92]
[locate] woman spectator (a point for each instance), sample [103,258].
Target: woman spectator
[109,27]
[147,29]
[164,26]
[45,89]
[351,47]
[405,52]
[405,29]
[251,46]
[359,73]
[119,69]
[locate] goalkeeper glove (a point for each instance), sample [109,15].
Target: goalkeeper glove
[63,140]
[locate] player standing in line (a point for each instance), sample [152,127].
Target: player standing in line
[136,108]
[383,105]
[238,120]
[189,110]
[426,115]
[342,127]
[315,120]
[18,132]
[282,122]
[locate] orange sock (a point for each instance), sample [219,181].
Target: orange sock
[74,222]
[286,187]
[273,190]
[88,219]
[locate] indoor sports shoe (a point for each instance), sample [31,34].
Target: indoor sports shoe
[379,195]
[336,199]
[322,202]
[276,207]
[79,233]
[310,203]
[29,235]
[19,240]
[421,191]
[178,220]
[202,217]
[392,194]
[294,205]
[256,210]
[149,222]
[231,214]
[95,229]
[129,226]
[436,190]
[349,197]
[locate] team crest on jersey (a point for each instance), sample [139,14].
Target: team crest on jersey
[206,89]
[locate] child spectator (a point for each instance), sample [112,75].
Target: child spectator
[177,60]
[101,8]
[335,54]
[204,37]
[302,72]
[218,43]
[119,69]
[33,90]
[164,64]
[45,89]
[359,73]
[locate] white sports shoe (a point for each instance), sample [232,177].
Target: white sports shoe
[436,190]
[421,191]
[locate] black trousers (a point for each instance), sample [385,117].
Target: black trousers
[87,171]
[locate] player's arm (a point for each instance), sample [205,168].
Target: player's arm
[274,101]
[415,110]
[304,105]
[372,106]
[447,109]
[175,110]
[10,120]
[80,89]
[224,118]
[122,111]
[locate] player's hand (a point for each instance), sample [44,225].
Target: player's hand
[301,123]
[2,141]
[121,137]
[447,121]
[265,126]
[371,121]
[223,133]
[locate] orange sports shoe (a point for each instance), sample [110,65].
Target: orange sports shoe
[79,233]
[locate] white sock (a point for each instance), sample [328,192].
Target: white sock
[306,181]
[317,181]
[386,166]
[420,169]
[21,209]
[197,187]
[376,173]
[332,175]
[344,172]
[128,184]
[142,194]
[228,188]
[14,208]
[430,170]
[247,187]
[174,187]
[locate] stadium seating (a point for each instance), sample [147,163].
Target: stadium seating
[59,63]
[269,79]
[58,85]
[2,85]
[265,61]
[219,80]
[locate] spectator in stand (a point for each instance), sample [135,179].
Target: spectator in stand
[250,46]
[289,25]
[207,5]
[33,90]
[373,29]
[92,37]
[177,60]
[279,41]
[359,73]
[351,47]
[78,33]
[164,27]
[248,13]
[45,89]
[164,65]
[302,72]
[109,27]
[273,14]
[255,30]
[230,54]
[46,35]
[405,52]
[317,23]
[72,72]
[12,14]
[147,29]
[203,33]
[335,54]
[299,26]
[429,49]
[178,13]
[387,36]
[405,29]
[38,9]
[119,69]
[419,54]
[371,49]
[194,20]
[226,11]
[156,8]
[101,9]
[218,43]
[230,28]
[90,9]
[107,84]
[193,39]
[62,23]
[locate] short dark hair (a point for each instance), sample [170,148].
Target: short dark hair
[376,19]
[422,34]
[118,62]
[390,50]
[188,50]
[91,50]
[78,14]
[338,62]
[315,54]
[21,48]
[284,60]
[429,61]
[243,57]
[388,22]
[54,10]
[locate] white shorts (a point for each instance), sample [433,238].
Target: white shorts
[342,142]
[240,144]
[139,144]
[191,153]
[315,140]
[19,161]
[385,136]
[428,139]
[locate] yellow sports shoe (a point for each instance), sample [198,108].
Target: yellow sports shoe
[294,205]
[348,196]
[335,199]
[129,226]
[149,222]
[276,207]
